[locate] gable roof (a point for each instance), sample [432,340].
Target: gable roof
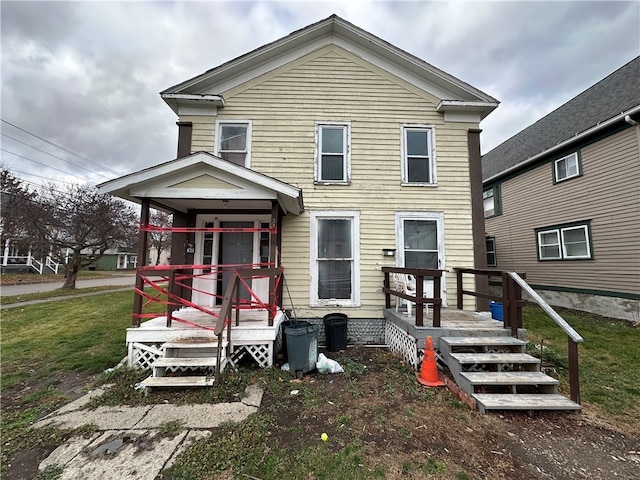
[602,104]
[207,88]
[202,180]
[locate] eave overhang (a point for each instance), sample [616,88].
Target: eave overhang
[176,100]
[464,106]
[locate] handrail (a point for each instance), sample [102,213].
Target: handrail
[419,299]
[568,329]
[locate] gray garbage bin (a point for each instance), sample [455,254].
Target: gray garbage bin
[302,347]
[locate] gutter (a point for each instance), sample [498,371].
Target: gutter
[622,116]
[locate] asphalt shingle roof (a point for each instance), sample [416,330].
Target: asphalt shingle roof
[616,93]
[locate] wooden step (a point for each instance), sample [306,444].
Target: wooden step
[186,346]
[482,341]
[194,381]
[185,362]
[496,401]
[473,358]
[508,378]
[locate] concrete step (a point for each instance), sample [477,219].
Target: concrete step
[185,362]
[494,401]
[508,378]
[194,381]
[494,358]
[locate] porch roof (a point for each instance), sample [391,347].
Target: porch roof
[203,181]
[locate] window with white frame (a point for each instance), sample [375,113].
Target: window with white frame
[564,242]
[335,257]
[491,202]
[418,156]
[332,153]
[566,167]
[492,260]
[234,142]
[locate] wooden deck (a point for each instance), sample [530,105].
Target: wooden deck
[453,323]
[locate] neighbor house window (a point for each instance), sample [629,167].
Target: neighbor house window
[566,167]
[564,242]
[418,156]
[234,142]
[491,202]
[332,153]
[492,260]
[335,253]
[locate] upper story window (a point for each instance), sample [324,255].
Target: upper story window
[566,167]
[492,202]
[418,155]
[332,153]
[564,242]
[234,142]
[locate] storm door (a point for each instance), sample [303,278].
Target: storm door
[236,251]
[421,245]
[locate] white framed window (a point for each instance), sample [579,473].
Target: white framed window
[492,259]
[233,141]
[565,242]
[492,202]
[335,258]
[332,152]
[418,155]
[566,167]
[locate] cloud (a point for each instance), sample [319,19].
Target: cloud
[86,75]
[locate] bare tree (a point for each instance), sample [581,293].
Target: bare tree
[161,241]
[85,222]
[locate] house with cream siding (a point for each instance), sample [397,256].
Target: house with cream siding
[562,200]
[329,154]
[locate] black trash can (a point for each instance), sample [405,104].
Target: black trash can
[302,347]
[335,330]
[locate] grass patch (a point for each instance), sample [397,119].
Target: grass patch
[608,357]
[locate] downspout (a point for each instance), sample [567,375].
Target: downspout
[630,121]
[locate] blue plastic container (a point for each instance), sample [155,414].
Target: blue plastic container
[496,310]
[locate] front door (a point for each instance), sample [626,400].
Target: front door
[236,251]
[421,245]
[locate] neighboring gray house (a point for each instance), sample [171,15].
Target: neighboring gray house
[562,200]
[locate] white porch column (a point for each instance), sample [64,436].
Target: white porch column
[5,258]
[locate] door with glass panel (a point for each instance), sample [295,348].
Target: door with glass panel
[421,245]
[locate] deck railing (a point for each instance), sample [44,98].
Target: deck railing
[419,299]
[512,286]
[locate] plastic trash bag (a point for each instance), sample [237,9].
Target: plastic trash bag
[326,365]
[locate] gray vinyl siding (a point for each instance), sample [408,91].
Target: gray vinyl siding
[334,85]
[607,193]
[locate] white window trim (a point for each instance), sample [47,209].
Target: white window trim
[562,250]
[317,153]
[354,216]
[249,123]
[403,158]
[587,241]
[573,156]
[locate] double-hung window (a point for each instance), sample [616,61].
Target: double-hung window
[418,155]
[335,257]
[564,242]
[491,202]
[332,153]
[234,142]
[566,167]
[492,260]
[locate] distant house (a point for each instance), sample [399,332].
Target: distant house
[121,258]
[562,200]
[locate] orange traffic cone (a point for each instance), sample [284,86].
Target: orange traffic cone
[429,371]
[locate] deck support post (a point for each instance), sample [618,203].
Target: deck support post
[142,260]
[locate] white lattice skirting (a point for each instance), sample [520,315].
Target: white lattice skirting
[401,342]
[143,355]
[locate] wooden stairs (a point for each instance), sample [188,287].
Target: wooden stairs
[499,375]
[184,362]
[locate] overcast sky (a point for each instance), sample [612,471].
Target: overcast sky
[86,75]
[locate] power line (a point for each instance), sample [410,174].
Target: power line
[39,176]
[54,156]
[62,148]
[43,164]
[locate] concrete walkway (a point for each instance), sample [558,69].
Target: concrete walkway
[23,289]
[130,442]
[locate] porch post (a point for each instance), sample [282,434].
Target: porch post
[477,216]
[5,258]
[274,247]
[142,260]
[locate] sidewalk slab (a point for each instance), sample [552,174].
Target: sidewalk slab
[104,418]
[201,416]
